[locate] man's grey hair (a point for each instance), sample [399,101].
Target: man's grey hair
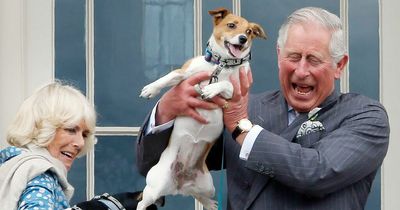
[337,46]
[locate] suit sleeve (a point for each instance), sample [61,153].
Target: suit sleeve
[351,148]
[149,147]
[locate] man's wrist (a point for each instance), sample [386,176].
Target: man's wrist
[162,117]
[240,138]
[243,126]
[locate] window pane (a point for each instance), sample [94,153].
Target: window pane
[137,42]
[77,178]
[115,170]
[70,59]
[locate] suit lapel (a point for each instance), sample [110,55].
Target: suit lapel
[271,112]
[290,132]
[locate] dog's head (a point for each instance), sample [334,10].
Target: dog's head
[233,35]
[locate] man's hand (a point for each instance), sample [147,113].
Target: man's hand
[182,100]
[235,109]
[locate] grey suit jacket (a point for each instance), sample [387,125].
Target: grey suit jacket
[330,169]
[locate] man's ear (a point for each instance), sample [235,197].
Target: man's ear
[340,66]
[278,53]
[219,14]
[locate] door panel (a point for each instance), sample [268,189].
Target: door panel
[136,42]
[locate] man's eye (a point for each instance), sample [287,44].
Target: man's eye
[294,58]
[314,61]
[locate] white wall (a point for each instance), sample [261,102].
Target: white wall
[26,53]
[11,70]
[390,97]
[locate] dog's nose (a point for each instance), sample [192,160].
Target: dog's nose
[242,39]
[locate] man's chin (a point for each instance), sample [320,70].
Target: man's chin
[300,106]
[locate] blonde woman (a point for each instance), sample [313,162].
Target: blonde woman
[52,128]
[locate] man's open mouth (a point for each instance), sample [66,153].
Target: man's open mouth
[302,89]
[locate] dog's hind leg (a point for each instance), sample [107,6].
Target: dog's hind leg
[203,190]
[158,182]
[148,198]
[207,203]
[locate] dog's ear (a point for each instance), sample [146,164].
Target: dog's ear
[219,14]
[258,31]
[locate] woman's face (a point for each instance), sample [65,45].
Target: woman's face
[68,142]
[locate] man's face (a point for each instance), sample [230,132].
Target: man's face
[306,69]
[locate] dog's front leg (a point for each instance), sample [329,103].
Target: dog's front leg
[224,88]
[152,89]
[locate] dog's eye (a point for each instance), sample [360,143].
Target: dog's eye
[231,25]
[249,31]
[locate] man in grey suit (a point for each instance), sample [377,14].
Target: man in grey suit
[304,146]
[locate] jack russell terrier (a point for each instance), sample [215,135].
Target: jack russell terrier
[181,168]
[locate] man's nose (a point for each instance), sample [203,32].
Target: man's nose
[302,69]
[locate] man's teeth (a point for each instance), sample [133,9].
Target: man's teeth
[303,90]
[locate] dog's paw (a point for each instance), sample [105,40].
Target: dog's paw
[210,91]
[149,91]
[210,204]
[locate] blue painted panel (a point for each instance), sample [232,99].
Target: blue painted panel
[136,42]
[115,170]
[77,178]
[70,65]
[364,65]
[70,52]
[364,47]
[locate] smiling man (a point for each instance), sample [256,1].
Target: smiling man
[307,70]
[305,146]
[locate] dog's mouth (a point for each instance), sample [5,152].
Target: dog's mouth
[234,49]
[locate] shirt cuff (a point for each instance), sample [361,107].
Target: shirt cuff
[249,142]
[151,127]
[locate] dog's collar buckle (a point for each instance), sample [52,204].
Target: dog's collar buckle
[216,72]
[213,57]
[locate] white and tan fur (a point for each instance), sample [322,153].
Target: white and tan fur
[181,168]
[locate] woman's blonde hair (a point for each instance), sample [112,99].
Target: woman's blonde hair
[56,105]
